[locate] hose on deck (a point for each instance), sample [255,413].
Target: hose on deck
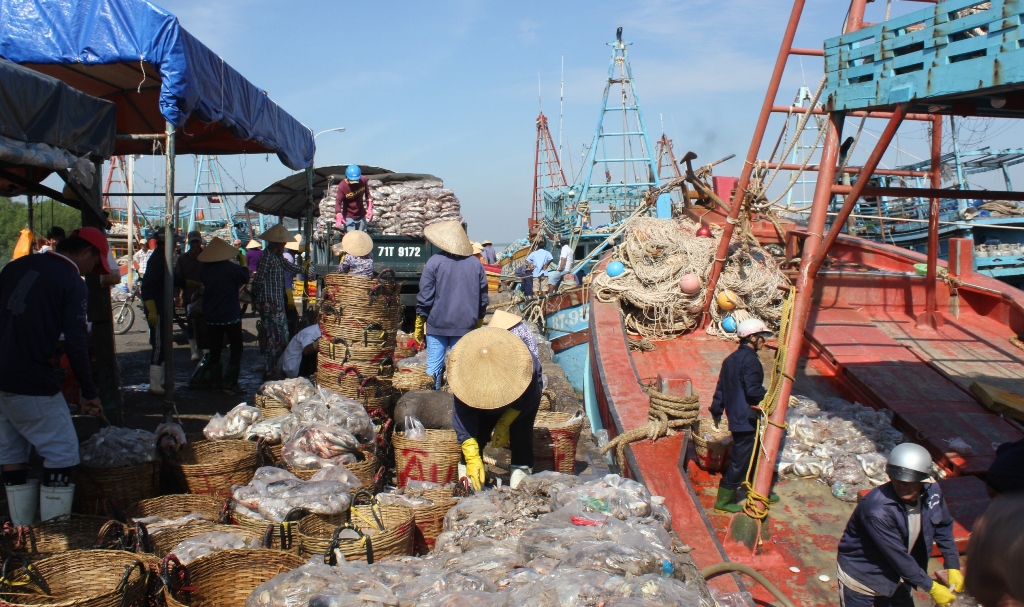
[720,568]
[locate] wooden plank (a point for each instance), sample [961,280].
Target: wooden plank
[999,401]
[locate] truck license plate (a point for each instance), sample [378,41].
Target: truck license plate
[392,251]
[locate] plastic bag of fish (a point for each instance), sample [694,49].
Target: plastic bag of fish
[842,444]
[312,445]
[332,409]
[114,447]
[198,545]
[274,493]
[290,392]
[234,424]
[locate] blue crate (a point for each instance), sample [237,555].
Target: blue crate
[953,57]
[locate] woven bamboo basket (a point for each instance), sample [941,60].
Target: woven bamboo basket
[709,443]
[70,532]
[364,470]
[177,506]
[98,491]
[371,391]
[361,331]
[548,400]
[360,291]
[270,406]
[554,448]
[211,467]
[430,519]
[396,539]
[165,541]
[83,578]
[277,536]
[227,578]
[383,366]
[435,458]
[412,378]
[403,351]
[342,351]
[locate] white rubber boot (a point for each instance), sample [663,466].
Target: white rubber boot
[55,501]
[462,471]
[156,379]
[23,501]
[192,345]
[518,474]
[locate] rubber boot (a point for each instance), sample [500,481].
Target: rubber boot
[519,473]
[724,502]
[230,382]
[462,470]
[55,501]
[23,501]
[156,379]
[741,495]
[194,347]
[202,377]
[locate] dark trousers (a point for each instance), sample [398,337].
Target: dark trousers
[520,435]
[156,341]
[742,448]
[900,598]
[215,341]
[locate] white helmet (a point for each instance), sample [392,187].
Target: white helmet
[752,326]
[909,462]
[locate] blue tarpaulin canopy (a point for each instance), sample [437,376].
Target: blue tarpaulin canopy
[138,56]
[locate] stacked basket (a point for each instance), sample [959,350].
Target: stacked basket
[359,321]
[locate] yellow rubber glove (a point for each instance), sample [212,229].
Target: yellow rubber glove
[151,312]
[956,580]
[941,595]
[474,463]
[420,333]
[500,437]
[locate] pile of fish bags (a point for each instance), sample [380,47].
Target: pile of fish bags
[205,543]
[289,392]
[233,425]
[273,493]
[844,445]
[114,447]
[398,208]
[552,541]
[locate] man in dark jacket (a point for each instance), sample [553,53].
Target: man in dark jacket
[222,278]
[740,387]
[885,548]
[152,291]
[1006,474]
[41,297]
[453,294]
[186,273]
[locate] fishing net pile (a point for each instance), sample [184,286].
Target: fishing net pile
[842,444]
[658,253]
[399,208]
[552,541]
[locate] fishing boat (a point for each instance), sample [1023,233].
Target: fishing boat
[866,325]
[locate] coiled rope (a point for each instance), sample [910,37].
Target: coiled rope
[665,413]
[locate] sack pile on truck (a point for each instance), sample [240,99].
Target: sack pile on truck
[404,207]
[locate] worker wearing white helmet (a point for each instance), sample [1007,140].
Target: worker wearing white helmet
[740,388]
[885,548]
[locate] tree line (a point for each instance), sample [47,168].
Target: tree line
[45,213]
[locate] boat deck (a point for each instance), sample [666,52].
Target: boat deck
[863,345]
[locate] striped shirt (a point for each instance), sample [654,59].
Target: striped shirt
[268,286]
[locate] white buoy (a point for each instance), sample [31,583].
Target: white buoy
[823,578]
[795,569]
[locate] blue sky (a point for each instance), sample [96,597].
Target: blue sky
[450,88]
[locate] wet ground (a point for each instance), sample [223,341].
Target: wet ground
[194,407]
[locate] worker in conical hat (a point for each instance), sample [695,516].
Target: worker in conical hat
[268,290]
[453,298]
[496,382]
[221,278]
[358,257]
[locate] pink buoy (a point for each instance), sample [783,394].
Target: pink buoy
[704,232]
[690,284]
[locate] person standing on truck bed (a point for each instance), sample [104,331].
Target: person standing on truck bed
[353,206]
[453,294]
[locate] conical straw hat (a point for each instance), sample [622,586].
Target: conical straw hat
[449,236]
[504,320]
[278,233]
[357,243]
[489,368]
[254,244]
[296,244]
[218,250]
[477,248]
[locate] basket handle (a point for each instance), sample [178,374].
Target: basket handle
[384,364]
[34,577]
[344,342]
[366,333]
[365,382]
[387,277]
[225,512]
[378,516]
[115,531]
[332,308]
[143,541]
[331,556]
[174,575]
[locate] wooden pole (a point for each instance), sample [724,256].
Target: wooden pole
[932,318]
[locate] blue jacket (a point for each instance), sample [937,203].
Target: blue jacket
[740,386]
[42,296]
[453,294]
[152,287]
[221,282]
[873,549]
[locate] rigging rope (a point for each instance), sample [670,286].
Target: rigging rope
[665,413]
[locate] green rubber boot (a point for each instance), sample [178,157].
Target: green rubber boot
[724,502]
[230,382]
[202,377]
